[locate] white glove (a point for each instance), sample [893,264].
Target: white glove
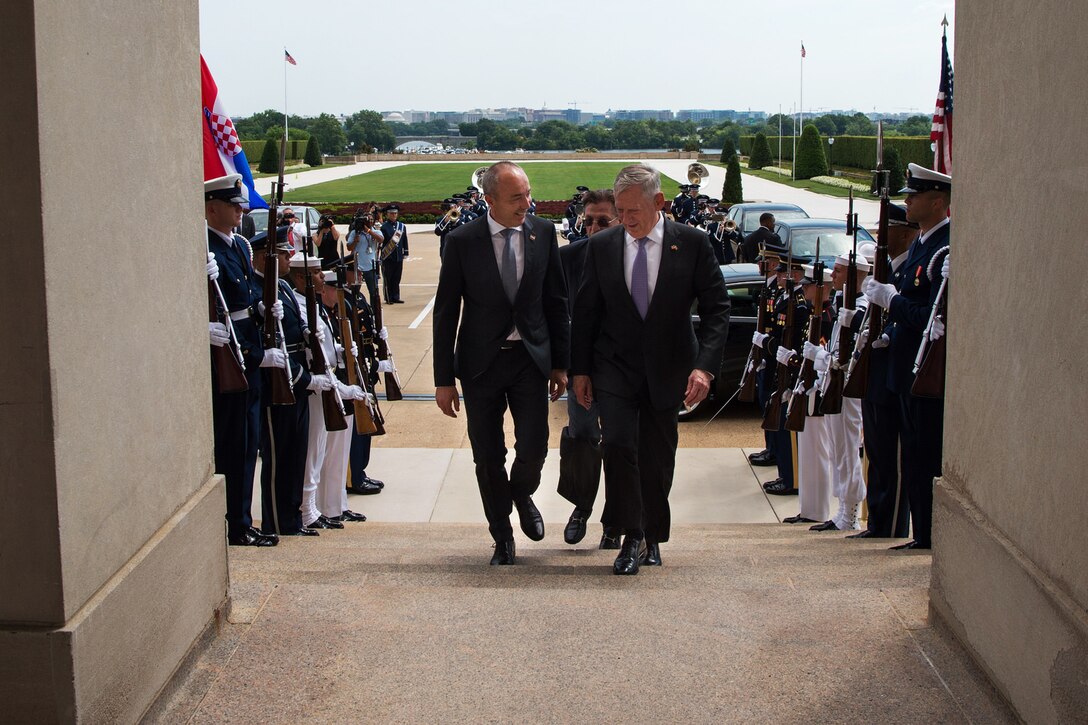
[882,342]
[758,338]
[822,361]
[217,331]
[319,333]
[846,317]
[384,334]
[213,267]
[784,355]
[354,350]
[810,351]
[944,267]
[277,309]
[880,294]
[936,330]
[320,383]
[274,358]
[385,366]
[350,392]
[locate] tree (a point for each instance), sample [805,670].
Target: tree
[329,133]
[366,128]
[915,126]
[893,162]
[732,191]
[691,143]
[810,155]
[313,152]
[761,152]
[270,157]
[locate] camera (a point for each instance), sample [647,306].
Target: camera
[325,222]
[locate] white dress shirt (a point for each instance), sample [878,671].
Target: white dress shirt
[498,243]
[653,255]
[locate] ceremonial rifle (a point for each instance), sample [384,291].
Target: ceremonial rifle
[392,380]
[806,379]
[857,375]
[755,355]
[929,363]
[831,402]
[364,414]
[365,339]
[772,416]
[273,329]
[230,365]
[332,406]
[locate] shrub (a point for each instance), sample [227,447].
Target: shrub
[313,152]
[810,155]
[270,157]
[732,190]
[761,152]
[893,162]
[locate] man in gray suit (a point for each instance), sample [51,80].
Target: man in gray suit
[501,279]
[634,350]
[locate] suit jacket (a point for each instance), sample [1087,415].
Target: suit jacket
[573,258]
[751,243]
[910,309]
[619,350]
[470,292]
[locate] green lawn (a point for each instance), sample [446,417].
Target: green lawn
[434,181]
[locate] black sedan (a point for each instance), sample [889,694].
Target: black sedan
[743,282]
[747,214]
[801,236]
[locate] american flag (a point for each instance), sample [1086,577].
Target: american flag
[287,57]
[802,50]
[941,134]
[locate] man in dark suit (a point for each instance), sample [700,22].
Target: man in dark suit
[501,279]
[635,351]
[763,236]
[909,300]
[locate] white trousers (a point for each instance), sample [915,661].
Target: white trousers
[814,469]
[844,434]
[332,493]
[315,459]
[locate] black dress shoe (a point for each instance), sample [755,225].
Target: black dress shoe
[910,546]
[302,532]
[330,523]
[798,519]
[652,555]
[352,516]
[376,482]
[320,523]
[825,526]
[761,454]
[366,487]
[631,552]
[532,523]
[576,527]
[611,538]
[504,553]
[267,534]
[249,538]
[867,534]
[779,487]
[761,459]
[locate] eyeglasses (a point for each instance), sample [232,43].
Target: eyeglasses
[599,221]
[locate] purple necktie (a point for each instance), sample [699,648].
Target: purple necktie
[640,280]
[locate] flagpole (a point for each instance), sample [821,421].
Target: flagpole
[284,94]
[800,110]
[780,135]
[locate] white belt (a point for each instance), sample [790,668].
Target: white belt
[240,315]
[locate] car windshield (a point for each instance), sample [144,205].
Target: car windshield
[751,219]
[832,241]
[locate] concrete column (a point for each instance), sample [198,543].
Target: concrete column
[1010,568]
[112,552]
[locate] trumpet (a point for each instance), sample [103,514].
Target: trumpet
[451,216]
[580,221]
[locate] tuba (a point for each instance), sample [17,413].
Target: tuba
[697,172]
[477,177]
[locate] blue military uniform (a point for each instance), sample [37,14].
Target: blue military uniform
[393,265]
[781,441]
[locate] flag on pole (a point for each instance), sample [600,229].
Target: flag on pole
[802,50]
[941,133]
[223,152]
[287,57]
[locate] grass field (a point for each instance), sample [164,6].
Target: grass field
[435,181]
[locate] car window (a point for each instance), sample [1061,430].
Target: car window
[260,219]
[832,241]
[744,300]
[751,218]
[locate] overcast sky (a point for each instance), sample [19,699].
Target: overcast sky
[618,54]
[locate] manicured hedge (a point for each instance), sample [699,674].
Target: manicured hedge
[296,149]
[858,152]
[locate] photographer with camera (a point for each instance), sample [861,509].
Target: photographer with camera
[328,240]
[364,239]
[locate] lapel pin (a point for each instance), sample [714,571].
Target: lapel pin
[532,237]
[674,248]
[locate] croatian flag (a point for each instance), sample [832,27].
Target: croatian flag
[223,152]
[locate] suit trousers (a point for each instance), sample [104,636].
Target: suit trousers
[814,469]
[889,512]
[844,442]
[283,465]
[317,440]
[580,455]
[392,269]
[236,425]
[922,421]
[513,380]
[639,451]
[331,488]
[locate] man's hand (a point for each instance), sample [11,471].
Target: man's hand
[448,400]
[698,387]
[213,267]
[557,385]
[583,390]
[218,334]
[758,339]
[880,294]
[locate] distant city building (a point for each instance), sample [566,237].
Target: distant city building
[641,115]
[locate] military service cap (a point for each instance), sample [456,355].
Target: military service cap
[226,188]
[921,179]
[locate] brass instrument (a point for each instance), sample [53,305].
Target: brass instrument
[451,216]
[477,177]
[580,219]
[697,172]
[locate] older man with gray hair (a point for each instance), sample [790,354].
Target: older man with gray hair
[635,351]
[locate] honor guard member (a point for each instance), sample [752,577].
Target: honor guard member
[678,200]
[722,236]
[236,417]
[769,263]
[284,428]
[844,427]
[396,243]
[909,300]
[784,440]
[332,498]
[814,456]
